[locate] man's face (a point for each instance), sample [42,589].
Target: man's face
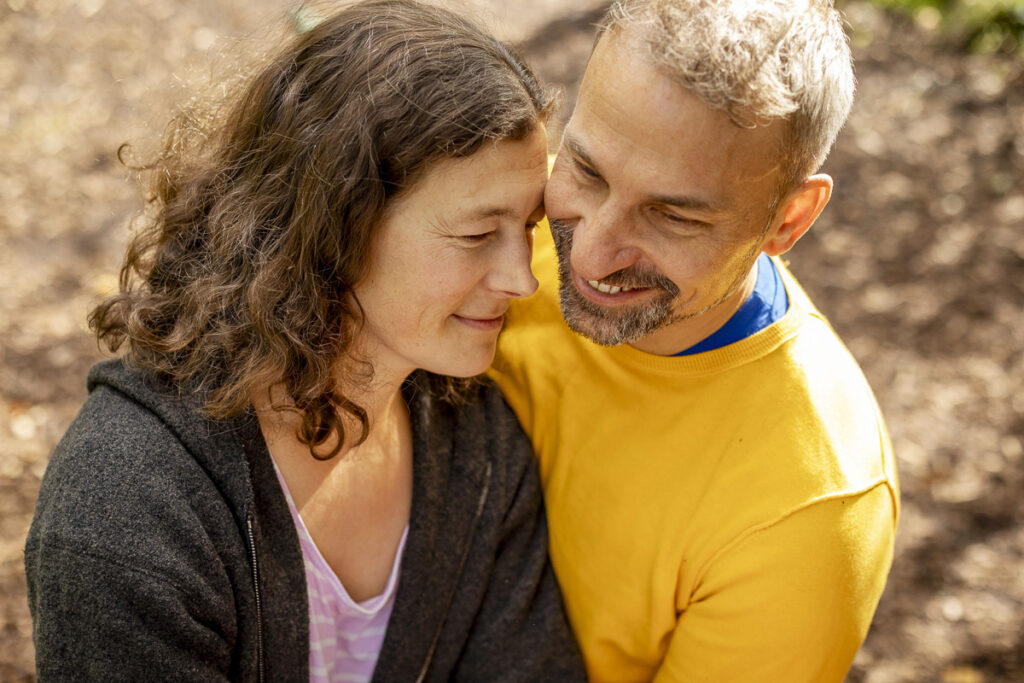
[658,205]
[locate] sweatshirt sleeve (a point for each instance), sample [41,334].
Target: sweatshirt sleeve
[791,601]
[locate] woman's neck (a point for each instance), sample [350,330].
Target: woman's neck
[356,504]
[380,397]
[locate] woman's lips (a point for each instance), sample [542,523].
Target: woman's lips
[484,324]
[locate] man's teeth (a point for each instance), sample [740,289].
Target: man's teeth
[608,289]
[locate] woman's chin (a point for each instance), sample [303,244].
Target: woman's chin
[471,363]
[466,370]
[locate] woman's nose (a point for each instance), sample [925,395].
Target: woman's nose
[513,274]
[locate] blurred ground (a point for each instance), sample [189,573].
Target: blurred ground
[918,261]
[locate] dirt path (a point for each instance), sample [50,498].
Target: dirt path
[919,263]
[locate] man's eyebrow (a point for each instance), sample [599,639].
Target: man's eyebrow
[577,150]
[680,202]
[687,203]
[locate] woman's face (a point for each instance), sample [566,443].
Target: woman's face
[449,256]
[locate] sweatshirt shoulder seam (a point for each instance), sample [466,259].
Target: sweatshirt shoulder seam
[755,529]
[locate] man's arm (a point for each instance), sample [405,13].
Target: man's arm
[789,602]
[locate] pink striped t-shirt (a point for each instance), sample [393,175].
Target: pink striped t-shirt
[345,636]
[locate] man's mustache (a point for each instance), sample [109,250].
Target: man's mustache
[635,276]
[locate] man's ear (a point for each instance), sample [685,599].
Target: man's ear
[800,209]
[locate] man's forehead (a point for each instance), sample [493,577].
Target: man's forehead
[647,134]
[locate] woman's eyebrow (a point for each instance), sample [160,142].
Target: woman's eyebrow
[491,212]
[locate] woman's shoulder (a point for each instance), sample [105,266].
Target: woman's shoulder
[120,424]
[477,405]
[122,469]
[476,432]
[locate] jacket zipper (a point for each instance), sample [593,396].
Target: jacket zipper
[259,604]
[462,566]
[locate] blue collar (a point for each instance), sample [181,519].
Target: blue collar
[767,303]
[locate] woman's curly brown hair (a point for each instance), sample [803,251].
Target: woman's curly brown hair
[259,224]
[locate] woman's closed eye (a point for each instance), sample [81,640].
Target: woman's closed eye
[476,238]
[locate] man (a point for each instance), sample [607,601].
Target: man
[721,492]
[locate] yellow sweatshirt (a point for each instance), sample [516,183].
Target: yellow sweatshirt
[725,516]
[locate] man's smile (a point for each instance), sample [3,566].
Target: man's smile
[608,295]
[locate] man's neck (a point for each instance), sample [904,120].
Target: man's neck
[674,338]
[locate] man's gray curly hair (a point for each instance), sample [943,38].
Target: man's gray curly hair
[756,60]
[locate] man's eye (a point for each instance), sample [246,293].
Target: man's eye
[675,218]
[586,170]
[477,237]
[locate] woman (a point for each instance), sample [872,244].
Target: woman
[273,484]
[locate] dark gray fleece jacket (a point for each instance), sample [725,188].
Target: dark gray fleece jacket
[162,548]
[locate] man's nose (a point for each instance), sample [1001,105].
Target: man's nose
[603,242]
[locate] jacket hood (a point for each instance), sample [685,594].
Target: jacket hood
[223,448]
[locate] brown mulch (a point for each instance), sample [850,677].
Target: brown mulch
[918,262]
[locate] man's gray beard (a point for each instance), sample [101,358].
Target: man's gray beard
[608,326]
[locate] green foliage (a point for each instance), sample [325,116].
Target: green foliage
[982,25]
